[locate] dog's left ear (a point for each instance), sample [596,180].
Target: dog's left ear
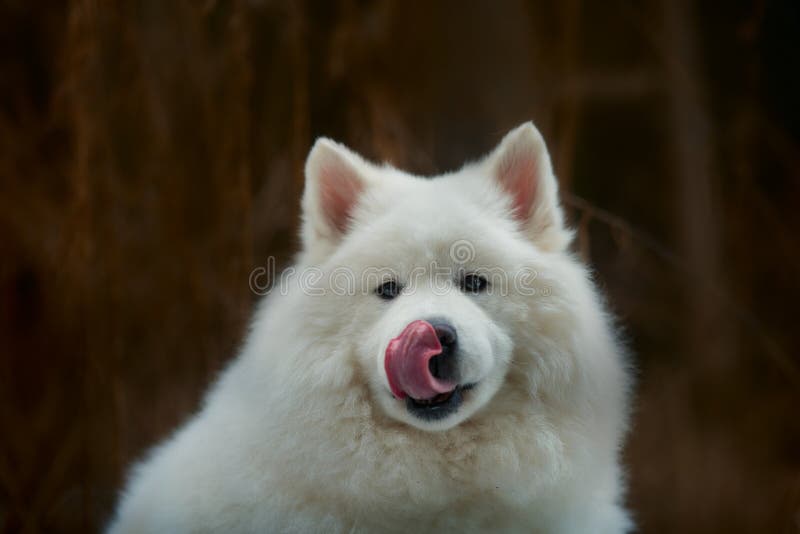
[335,180]
[520,165]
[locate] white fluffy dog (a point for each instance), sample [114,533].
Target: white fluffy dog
[436,361]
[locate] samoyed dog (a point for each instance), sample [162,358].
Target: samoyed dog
[437,360]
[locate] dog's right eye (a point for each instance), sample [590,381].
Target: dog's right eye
[388,290]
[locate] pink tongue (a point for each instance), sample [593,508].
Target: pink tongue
[407,359]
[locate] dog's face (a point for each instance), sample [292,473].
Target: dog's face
[430,284]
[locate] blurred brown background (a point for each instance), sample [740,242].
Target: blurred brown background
[151,156]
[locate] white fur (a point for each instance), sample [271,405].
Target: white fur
[301,434]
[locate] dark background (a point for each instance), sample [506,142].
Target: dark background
[151,156]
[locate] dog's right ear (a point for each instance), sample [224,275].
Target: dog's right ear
[334,182]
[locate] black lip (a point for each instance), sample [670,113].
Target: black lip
[439,410]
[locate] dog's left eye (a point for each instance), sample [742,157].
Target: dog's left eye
[473,283]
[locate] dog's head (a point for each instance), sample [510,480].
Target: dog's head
[437,288]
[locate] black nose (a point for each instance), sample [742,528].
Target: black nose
[444,366]
[446,334]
